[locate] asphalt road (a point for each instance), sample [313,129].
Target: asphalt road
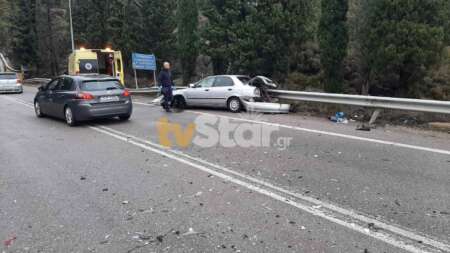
[108,186]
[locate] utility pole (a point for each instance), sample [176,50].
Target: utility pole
[71,25]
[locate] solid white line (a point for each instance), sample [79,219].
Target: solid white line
[316,212]
[332,207]
[385,237]
[377,141]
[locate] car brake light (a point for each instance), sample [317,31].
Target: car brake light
[85,96]
[126,93]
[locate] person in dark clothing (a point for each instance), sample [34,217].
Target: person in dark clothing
[166,82]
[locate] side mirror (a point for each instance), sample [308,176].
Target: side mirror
[191,85]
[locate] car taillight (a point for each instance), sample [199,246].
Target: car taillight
[19,81]
[85,96]
[126,93]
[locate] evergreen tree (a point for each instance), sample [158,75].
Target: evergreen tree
[187,37]
[258,37]
[5,11]
[158,27]
[403,39]
[80,17]
[333,40]
[224,17]
[98,29]
[23,33]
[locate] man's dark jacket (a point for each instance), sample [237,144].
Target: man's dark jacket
[165,79]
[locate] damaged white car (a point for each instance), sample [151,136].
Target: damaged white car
[233,92]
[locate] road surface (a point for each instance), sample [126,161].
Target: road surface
[108,186]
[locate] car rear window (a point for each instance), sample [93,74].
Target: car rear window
[7,76]
[244,79]
[100,85]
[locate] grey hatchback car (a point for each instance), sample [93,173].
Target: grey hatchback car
[84,97]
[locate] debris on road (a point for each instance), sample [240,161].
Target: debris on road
[363,127]
[82,178]
[9,242]
[190,232]
[339,118]
[125,202]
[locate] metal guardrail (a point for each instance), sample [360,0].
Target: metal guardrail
[152,90]
[36,81]
[6,64]
[418,105]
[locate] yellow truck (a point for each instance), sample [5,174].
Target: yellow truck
[97,61]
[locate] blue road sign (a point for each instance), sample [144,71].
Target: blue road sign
[144,61]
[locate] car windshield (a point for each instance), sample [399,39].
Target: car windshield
[7,76]
[244,79]
[98,85]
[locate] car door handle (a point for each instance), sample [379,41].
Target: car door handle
[207,90]
[230,89]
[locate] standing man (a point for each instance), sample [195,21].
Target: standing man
[166,82]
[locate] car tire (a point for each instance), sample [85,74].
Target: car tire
[234,105]
[69,117]
[179,103]
[38,109]
[124,117]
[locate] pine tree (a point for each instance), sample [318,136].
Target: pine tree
[97,29]
[187,37]
[403,39]
[333,40]
[219,34]
[256,38]
[23,33]
[5,11]
[158,26]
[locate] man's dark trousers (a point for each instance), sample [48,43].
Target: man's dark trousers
[167,99]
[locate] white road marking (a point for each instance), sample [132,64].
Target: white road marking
[390,234]
[351,137]
[311,201]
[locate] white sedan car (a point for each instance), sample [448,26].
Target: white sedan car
[10,83]
[233,92]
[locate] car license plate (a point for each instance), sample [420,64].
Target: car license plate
[109,99]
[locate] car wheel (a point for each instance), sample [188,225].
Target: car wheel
[68,115]
[234,105]
[179,103]
[38,110]
[125,117]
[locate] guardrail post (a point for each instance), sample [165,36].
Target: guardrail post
[374,117]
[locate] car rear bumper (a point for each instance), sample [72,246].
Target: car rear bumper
[11,89]
[88,111]
[264,107]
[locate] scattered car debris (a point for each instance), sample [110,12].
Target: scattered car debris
[363,127]
[190,232]
[339,117]
[9,242]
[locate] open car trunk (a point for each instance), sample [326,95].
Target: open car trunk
[266,104]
